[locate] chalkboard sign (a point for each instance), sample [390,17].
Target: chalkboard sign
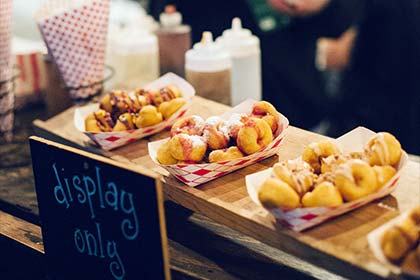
[100,219]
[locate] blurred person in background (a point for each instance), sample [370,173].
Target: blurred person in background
[374,45]
[380,63]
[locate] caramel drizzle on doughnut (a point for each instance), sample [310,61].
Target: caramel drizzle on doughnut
[100,122]
[128,125]
[381,143]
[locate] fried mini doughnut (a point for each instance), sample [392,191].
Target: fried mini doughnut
[355,179]
[415,215]
[274,193]
[191,125]
[383,149]
[153,97]
[325,177]
[315,152]
[148,116]
[99,121]
[118,102]
[384,174]
[186,147]
[214,134]
[254,135]
[411,263]
[124,122]
[324,194]
[170,92]
[266,111]
[331,162]
[298,174]
[168,108]
[225,154]
[234,123]
[164,156]
[397,240]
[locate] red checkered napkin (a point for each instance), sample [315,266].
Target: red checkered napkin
[303,218]
[112,140]
[196,174]
[75,33]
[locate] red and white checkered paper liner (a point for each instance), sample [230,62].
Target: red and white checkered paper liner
[5,39]
[303,218]
[374,239]
[112,140]
[196,174]
[75,33]
[7,96]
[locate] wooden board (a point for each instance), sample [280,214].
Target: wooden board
[338,245]
[107,218]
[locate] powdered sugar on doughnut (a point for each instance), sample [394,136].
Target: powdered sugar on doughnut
[213,120]
[196,141]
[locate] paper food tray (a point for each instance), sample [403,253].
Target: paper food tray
[303,218]
[112,140]
[196,174]
[374,238]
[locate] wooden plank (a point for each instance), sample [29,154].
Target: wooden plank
[334,245]
[225,255]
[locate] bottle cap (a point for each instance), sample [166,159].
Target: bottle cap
[170,17]
[239,41]
[207,56]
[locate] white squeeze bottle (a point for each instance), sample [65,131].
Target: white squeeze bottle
[244,49]
[134,54]
[208,69]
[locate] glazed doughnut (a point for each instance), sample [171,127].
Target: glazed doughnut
[355,179]
[189,148]
[384,174]
[266,111]
[254,135]
[225,154]
[124,122]
[315,152]
[298,174]
[99,121]
[168,108]
[275,193]
[148,116]
[323,195]
[397,240]
[164,155]
[191,125]
[234,123]
[214,133]
[383,149]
